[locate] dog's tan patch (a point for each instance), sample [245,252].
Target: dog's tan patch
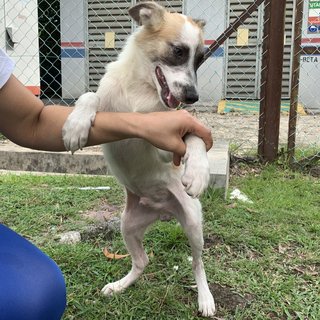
[172,26]
[169,31]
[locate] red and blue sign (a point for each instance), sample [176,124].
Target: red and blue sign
[73,50]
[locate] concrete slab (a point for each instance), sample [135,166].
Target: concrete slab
[91,161]
[16,158]
[219,161]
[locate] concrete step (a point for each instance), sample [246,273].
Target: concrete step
[91,161]
[87,161]
[219,162]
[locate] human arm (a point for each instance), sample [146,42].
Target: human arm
[25,121]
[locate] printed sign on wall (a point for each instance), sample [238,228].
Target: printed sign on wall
[314,17]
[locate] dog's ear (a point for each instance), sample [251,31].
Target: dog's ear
[200,22]
[148,14]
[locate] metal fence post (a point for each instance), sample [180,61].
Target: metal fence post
[272,69]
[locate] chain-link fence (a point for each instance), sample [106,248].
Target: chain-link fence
[61,48]
[304,132]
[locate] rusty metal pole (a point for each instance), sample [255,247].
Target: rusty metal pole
[298,16]
[271,84]
[232,28]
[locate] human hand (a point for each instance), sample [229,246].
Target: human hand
[166,130]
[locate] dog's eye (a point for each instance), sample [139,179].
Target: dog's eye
[178,51]
[176,55]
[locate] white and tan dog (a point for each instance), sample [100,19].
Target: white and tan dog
[155,72]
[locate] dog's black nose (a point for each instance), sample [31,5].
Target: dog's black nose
[191,95]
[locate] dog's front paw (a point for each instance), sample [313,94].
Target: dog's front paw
[76,129]
[196,175]
[75,132]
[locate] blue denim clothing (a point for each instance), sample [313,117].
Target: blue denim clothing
[32,286]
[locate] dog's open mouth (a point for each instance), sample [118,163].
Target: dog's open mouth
[166,95]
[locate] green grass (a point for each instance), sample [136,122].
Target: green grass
[267,252]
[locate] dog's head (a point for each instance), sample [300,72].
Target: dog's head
[173,45]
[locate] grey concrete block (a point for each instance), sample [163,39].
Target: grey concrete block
[91,161]
[52,162]
[219,161]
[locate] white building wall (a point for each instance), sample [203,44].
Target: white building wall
[2,26]
[211,73]
[20,19]
[73,53]
[309,89]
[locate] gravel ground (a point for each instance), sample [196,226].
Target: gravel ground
[242,130]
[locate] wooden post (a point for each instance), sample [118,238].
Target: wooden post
[271,83]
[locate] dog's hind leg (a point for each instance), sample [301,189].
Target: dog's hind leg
[189,215]
[134,221]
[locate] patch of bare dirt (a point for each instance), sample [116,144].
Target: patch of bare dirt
[102,213]
[105,222]
[228,300]
[315,172]
[212,240]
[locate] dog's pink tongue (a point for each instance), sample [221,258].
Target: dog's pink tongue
[172,101]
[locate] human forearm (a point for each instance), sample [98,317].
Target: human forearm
[46,134]
[25,121]
[108,127]
[164,130]
[21,115]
